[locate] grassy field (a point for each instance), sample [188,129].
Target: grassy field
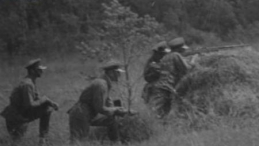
[63,82]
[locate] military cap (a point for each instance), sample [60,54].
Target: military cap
[113,65]
[177,42]
[35,63]
[161,47]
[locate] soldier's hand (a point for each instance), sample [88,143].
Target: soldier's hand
[163,72]
[194,59]
[132,112]
[54,105]
[155,65]
[120,111]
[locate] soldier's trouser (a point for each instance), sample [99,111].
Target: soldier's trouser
[146,92]
[160,102]
[80,122]
[17,128]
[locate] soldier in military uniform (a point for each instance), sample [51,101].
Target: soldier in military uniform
[174,63]
[26,105]
[152,68]
[172,67]
[95,106]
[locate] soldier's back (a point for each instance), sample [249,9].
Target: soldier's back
[17,95]
[96,86]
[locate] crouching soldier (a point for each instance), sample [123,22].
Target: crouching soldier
[173,68]
[152,69]
[26,105]
[95,107]
[170,68]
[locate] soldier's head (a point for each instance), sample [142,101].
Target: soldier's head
[113,69]
[34,68]
[178,45]
[160,50]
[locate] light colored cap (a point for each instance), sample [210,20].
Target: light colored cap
[177,42]
[120,70]
[162,47]
[35,63]
[113,65]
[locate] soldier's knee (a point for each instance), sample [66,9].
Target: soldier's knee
[16,130]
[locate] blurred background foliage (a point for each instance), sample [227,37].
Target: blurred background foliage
[58,27]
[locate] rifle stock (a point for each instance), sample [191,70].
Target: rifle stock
[213,49]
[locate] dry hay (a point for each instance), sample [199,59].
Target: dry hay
[225,84]
[134,128]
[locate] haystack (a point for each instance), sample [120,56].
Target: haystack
[225,83]
[131,129]
[135,129]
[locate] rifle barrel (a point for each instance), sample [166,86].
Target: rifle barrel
[213,49]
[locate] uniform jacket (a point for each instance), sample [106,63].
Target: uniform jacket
[23,98]
[175,65]
[172,67]
[95,98]
[151,70]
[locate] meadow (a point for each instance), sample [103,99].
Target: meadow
[65,78]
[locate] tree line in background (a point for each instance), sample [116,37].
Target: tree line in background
[96,27]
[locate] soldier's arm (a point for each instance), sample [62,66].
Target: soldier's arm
[29,97]
[181,65]
[152,72]
[99,100]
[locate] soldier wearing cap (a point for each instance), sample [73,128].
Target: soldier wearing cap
[95,107]
[172,68]
[152,70]
[174,62]
[26,105]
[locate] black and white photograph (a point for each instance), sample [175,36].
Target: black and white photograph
[129,72]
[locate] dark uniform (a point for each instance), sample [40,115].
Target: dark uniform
[94,108]
[160,93]
[26,106]
[173,68]
[152,69]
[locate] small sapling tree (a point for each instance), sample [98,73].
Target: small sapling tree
[126,36]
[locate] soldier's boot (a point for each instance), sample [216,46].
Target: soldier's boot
[44,128]
[16,129]
[113,131]
[43,142]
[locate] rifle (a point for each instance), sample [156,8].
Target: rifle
[214,49]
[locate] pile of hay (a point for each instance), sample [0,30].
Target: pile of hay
[134,128]
[224,83]
[131,129]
